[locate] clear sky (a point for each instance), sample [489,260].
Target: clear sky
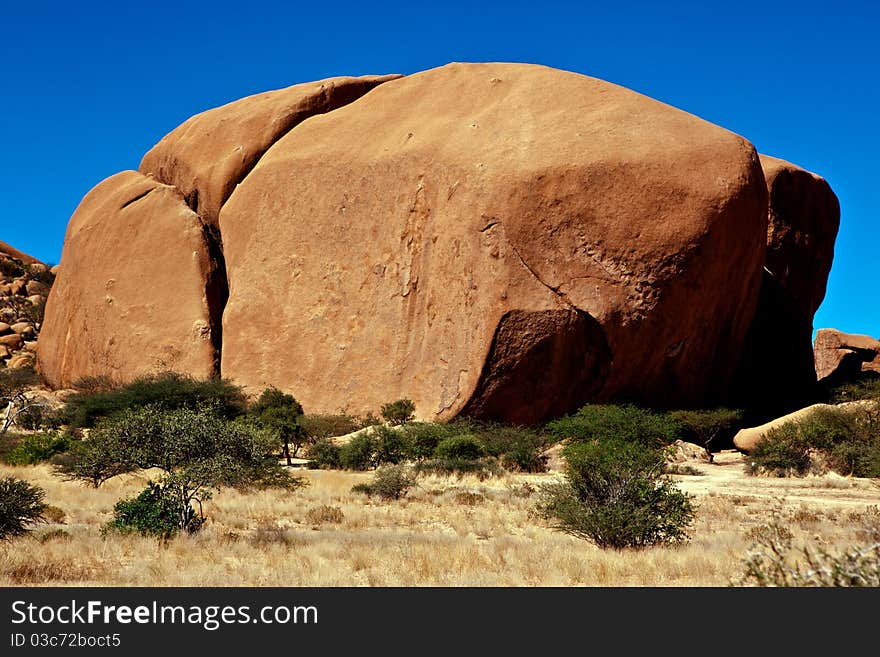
[86,88]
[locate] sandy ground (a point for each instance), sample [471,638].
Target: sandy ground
[726,476]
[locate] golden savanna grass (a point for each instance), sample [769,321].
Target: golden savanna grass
[446,532]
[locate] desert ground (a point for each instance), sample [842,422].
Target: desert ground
[445,532]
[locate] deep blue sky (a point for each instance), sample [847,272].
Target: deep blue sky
[88,87]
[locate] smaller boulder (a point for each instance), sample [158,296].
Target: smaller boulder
[13,341]
[25,329]
[5,328]
[36,287]
[843,356]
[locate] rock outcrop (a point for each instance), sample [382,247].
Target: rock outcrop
[24,286]
[777,372]
[502,241]
[843,357]
[460,235]
[134,288]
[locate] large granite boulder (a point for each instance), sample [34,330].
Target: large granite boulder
[505,241]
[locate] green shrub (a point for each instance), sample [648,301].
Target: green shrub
[867,387]
[197,451]
[464,448]
[706,427]
[153,512]
[845,441]
[21,504]
[391,445]
[616,496]
[481,468]
[519,448]
[422,438]
[611,422]
[323,454]
[317,427]
[399,412]
[168,391]
[359,453]
[390,482]
[36,448]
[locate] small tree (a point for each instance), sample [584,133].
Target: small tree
[399,412]
[20,505]
[197,450]
[615,496]
[281,415]
[704,427]
[15,398]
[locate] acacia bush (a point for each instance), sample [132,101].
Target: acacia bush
[167,391]
[616,496]
[399,412]
[627,423]
[21,504]
[198,451]
[279,414]
[519,448]
[707,427]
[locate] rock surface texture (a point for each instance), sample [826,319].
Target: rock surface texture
[777,373]
[504,241]
[208,155]
[461,235]
[843,356]
[24,286]
[132,294]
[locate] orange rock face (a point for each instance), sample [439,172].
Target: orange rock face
[132,293]
[843,356]
[506,241]
[208,155]
[777,372]
[804,217]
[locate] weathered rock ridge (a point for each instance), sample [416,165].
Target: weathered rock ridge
[777,372]
[498,240]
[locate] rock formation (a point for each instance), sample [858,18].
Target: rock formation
[777,372]
[843,356]
[133,292]
[497,240]
[208,155]
[24,286]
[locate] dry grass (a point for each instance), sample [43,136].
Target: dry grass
[446,532]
